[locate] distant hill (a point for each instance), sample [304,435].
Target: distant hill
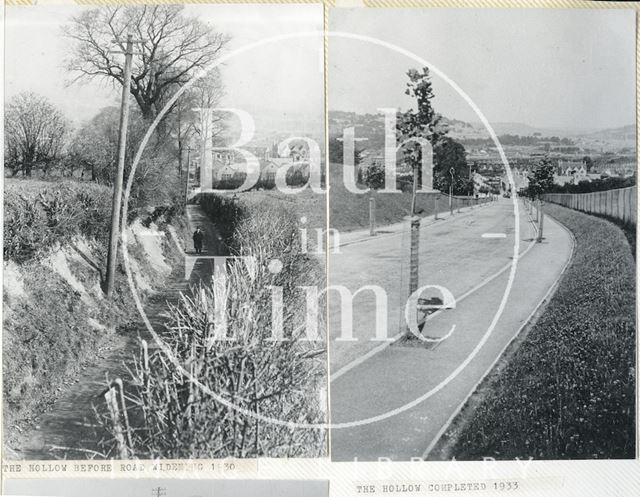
[371,127]
[623,133]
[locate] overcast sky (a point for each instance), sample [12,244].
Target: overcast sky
[284,76]
[546,68]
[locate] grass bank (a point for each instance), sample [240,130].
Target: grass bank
[350,211]
[568,391]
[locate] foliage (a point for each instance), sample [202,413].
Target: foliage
[426,124]
[95,149]
[517,140]
[421,124]
[37,219]
[569,390]
[336,151]
[373,176]
[449,154]
[35,133]
[174,48]
[588,161]
[598,185]
[224,210]
[175,418]
[350,211]
[541,180]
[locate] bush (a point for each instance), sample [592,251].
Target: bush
[569,390]
[172,417]
[35,219]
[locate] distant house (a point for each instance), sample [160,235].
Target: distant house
[297,172]
[520,180]
[572,175]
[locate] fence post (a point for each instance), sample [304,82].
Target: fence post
[111,398]
[372,216]
[541,221]
[435,204]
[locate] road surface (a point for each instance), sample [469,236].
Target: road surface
[469,254]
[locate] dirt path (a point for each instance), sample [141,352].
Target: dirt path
[68,428]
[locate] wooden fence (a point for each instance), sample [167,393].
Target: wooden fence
[619,204]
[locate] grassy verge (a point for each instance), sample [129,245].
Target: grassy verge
[350,211]
[569,389]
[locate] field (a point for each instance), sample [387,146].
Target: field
[569,389]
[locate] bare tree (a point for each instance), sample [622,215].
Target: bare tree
[35,133]
[172,46]
[206,92]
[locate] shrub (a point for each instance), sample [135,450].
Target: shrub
[35,219]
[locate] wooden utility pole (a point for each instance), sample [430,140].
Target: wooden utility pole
[114,234]
[186,181]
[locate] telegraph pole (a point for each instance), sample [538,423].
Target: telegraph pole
[114,234]
[186,181]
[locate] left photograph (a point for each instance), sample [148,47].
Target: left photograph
[164,218]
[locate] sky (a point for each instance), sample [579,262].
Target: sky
[284,76]
[555,68]
[546,68]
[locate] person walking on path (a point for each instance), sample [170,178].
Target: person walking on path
[198,236]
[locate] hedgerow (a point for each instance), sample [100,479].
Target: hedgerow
[569,390]
[226,212]
[35,219]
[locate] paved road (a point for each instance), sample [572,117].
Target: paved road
[456,255]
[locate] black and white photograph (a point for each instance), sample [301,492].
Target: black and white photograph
[163,189]
[319,249]
[483,204]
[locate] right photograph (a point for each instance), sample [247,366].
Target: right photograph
[482,234]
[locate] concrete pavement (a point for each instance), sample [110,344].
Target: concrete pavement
[416,391]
